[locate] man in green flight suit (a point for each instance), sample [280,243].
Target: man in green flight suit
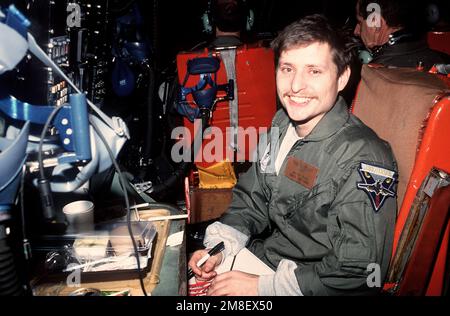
[326,196]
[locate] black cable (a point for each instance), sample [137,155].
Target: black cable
[41,141]
[184,166]
[127,202]
[43,184]
[116,166]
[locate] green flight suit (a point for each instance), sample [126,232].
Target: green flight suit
[335,230]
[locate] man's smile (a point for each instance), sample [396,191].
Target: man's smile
[298,100]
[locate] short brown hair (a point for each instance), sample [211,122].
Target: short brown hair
[316,28]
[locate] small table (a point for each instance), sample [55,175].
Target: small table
[167,276]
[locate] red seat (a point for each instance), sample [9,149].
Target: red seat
[410,110]
[439,41]
[255,79]
[423,257]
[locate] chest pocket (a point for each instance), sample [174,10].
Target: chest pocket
[311,206]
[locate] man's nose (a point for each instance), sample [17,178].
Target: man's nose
[298,82]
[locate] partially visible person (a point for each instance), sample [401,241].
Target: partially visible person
[392,36]
[225,20]
[228,18]
[438,15]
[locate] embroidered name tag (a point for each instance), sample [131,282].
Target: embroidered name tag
[301,172]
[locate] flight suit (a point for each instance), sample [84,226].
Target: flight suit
[331,209]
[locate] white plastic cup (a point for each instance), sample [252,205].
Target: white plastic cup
[80,215]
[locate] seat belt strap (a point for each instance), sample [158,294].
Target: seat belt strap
[229,59]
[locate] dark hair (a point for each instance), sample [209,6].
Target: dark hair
[229,15]
[316,28]
[396,13]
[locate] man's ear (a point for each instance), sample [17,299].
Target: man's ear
[343,79]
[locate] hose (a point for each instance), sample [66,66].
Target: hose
[184,166]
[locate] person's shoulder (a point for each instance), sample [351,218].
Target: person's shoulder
[225,41]
[408,54]
[357,142]
[280,117]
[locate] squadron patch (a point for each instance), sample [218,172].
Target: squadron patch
[378,183]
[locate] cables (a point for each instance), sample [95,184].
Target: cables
[43,183]
[41,141]
[45,190]
[127,203]
[184,166]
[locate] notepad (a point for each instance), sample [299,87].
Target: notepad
[245,261]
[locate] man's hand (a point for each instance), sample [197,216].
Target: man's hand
[206,271]
[234,283]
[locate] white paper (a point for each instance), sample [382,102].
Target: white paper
[245,262]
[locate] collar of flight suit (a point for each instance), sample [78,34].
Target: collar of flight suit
[330,123]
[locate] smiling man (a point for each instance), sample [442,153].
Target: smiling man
[328,210]
[307,85]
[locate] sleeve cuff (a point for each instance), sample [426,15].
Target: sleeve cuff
[266,285]
[284,282]
[233,239]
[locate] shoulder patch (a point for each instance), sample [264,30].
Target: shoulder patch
[378,183]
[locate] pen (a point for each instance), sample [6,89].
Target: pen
[213,251]
[232,264]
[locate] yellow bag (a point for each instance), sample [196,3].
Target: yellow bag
[218,176]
